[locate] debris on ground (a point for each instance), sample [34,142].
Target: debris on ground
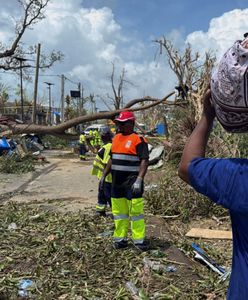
[209,233]
[158,165]
[151,187]
[13,164]
[155,154]
[201,255]
[24,288]
[66,258]
[137,294]
[20,154]
[12,226]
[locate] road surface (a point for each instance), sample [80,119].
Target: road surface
[64,182]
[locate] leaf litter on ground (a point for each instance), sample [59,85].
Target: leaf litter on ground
[71,256]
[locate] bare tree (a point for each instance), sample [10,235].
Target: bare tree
[33,12]
[117,100]
[192,72]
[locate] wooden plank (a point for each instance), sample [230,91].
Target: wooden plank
[209,234]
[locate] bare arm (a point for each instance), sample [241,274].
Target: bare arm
[107,169]
[197,142]
[143,168]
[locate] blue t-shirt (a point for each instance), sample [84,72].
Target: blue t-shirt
[225,181]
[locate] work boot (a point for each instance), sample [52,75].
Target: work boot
[121,245]
[101,213]
[143,246]
[110,215]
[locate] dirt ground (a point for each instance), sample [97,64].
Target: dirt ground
[64,182]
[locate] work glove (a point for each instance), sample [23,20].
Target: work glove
[137,187]
[101,183]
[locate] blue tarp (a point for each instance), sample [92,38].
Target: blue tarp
[161,129]
[4,145]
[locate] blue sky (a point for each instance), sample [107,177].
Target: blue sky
[93,34]
[159,17]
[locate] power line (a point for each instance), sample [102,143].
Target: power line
[31,74]
[40,75]
[71,81]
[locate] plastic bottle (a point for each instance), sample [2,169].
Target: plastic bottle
[24,286]
[153,265]
[130,286]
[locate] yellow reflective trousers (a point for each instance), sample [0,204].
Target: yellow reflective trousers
[125,212]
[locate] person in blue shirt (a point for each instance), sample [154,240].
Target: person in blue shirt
[225,182]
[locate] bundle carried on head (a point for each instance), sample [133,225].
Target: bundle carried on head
[229,88]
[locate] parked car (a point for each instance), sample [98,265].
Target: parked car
[99,127]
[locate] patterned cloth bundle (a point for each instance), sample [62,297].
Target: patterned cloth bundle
[229,88]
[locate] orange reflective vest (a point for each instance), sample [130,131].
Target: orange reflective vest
[124,153]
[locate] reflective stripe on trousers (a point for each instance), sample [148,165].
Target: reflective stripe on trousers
[125,211]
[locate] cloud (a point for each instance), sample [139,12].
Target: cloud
[91,41]
[222,32]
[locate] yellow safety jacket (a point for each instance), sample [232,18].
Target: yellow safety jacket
[91,138]
[97,138]
[100,162]
[82,139]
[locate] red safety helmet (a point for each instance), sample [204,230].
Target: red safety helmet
[125,116]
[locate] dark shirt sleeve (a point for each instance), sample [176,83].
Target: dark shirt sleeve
[101,153]
[142,150]
[224,181]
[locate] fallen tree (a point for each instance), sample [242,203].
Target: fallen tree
[10,128]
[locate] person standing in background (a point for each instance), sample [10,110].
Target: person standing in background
[82,146]
[100,162]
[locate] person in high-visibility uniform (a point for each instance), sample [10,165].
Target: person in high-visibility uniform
[82,146]
[91,135]
[97,139]
[100,162]
[128,166]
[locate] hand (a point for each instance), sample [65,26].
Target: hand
[101,183]
[137,187]
[208,107]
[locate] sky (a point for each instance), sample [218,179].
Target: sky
[94,34]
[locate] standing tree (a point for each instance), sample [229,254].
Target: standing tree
[4,96]
[193,74]
[116,100]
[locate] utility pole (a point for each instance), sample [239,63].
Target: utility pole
[62,98]
[80,99]
[50,103]
[36,82]
[21,60]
